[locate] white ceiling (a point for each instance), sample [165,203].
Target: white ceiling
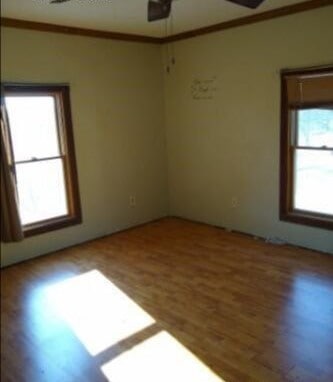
[130,16]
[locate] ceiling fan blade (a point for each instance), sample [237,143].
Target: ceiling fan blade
[57,1]
[248,3]
[158,9]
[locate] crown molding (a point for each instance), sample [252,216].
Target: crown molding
[258,17]
[55,28]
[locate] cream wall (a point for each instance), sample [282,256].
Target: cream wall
[216,149]
[118,118]
[229,145]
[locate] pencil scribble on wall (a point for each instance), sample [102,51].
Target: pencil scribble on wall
[204,88]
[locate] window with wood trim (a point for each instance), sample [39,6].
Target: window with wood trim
[306,168]
[42,145]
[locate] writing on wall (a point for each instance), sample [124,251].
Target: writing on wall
[204,88]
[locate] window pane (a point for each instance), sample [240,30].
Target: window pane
[41,190]
[314,181]
[315,127]
[33,126]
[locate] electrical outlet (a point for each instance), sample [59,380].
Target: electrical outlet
[234,202]
[132,200]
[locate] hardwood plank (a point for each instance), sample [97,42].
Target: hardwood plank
[248,310]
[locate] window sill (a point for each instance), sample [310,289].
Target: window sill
[50,225]
[305,218]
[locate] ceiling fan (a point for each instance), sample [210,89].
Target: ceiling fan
[160,9]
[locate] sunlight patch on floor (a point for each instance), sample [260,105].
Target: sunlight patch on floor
[312,295]
[98,312]
[160,358]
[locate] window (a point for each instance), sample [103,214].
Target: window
[40,128]
[306,178]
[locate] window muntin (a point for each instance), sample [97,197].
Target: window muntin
[44,159]
[306,157]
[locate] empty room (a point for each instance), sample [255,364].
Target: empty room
[166,190]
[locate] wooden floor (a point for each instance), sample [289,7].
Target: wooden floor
[247,310]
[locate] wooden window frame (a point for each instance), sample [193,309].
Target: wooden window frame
[287,150]
[61,94]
